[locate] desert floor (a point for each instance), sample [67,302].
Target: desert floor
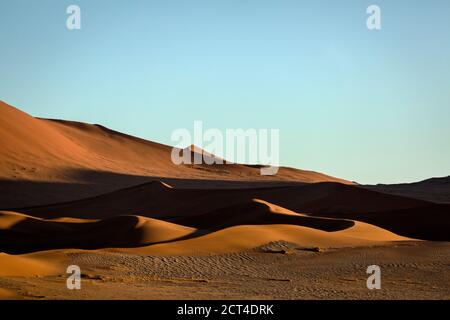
[280,270]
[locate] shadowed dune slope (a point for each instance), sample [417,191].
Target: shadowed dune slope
[434,189]
[217,209]
[158,200]
[428,222]
[222,232]
[257,212]
[21,233]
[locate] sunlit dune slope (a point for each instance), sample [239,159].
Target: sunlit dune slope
[244,237]
[89,159]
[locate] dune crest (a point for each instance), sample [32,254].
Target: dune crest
[74,154]
[27,266]
[307,205]
[245,237]
[21,233]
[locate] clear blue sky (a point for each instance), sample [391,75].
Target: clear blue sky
[369,106]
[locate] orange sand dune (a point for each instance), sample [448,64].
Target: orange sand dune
[427,222]
[157,200]
[151,236]
[22,233]
[258,212]
[244,237]
[29,265]
[39,151]
[216,209]
[81,186]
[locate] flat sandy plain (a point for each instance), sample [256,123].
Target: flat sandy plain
[410,270]
[141,227]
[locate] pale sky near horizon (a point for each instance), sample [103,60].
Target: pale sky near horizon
[368,106]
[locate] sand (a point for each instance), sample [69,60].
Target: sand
[410,270]
[142,226]
[435,189]
[26,266]
[90,159]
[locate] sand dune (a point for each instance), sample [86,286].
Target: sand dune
[244,237]
[156,200]
[70,190]
[428,222]
[434,189]
[151,236]
[74,153]
[216,209]
[21,233]
[259,212]
[28,265]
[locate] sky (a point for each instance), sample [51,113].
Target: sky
[368,106]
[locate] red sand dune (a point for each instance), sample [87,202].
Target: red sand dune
[74,185]
[66,154]
[216,209]
[158,200]
[219,231]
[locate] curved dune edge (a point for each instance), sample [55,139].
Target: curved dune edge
[29,265]
[117,231]
[368,232]
[131,231]
[156,237]
[259,212]
[154,230]
[245,237]
[230,240]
